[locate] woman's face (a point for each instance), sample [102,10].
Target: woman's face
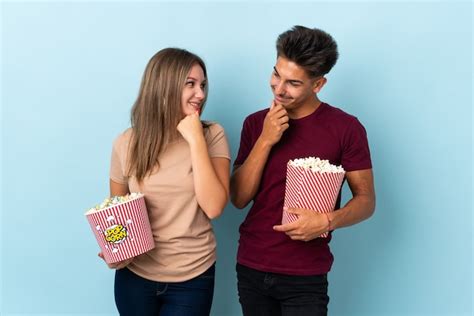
[194,91]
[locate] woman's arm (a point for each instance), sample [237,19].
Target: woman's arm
[211,175]
[118,189]
[211,180]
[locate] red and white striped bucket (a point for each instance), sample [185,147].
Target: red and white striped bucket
[308,189]
[123,230]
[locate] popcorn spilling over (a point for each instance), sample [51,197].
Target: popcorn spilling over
[316,165]
[114,200]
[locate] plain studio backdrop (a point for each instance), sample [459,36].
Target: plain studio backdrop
[70,72]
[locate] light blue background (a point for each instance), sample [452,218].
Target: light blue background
[71,71]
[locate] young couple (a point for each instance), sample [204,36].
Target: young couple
[182,165]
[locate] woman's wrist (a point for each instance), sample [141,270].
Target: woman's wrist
[197,141]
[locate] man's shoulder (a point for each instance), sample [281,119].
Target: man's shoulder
[259,115]
[255,119]
[342,122]
[338,113]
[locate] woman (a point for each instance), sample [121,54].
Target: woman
[182,166]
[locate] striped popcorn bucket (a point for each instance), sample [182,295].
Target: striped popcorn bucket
[309,189]
[123,230]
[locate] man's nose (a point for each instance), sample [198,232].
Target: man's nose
[279,88]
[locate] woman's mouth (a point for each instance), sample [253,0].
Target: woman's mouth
[196,106]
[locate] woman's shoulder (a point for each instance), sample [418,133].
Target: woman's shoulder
[212,127]
[214,132]
[123,139]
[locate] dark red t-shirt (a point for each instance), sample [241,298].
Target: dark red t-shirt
[328,133]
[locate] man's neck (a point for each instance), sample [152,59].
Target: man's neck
[304,110]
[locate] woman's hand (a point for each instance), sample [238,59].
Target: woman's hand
[116,265]
[190,128]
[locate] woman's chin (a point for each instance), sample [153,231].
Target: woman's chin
[190,112]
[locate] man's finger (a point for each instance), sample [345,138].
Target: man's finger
[272,105]
[283,119]
[285,227]
[296,211]
[280,110]
[280,228]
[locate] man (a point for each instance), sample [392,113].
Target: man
[282,269]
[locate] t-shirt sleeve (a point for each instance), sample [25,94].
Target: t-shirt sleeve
[117,171]
[217,143]
[356,153]
[245,143]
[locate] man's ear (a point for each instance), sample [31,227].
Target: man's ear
[319,84]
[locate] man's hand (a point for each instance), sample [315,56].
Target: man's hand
[308,226]
[116,265]
[275,123]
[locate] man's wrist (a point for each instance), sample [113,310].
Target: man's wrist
[329,222]
[264,144]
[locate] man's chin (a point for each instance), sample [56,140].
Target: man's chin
[284,104]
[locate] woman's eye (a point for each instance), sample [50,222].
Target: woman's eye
[190,83]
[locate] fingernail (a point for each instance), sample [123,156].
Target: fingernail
[285,208]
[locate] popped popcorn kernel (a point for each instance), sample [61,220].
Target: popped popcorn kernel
[316,165]
[114,200]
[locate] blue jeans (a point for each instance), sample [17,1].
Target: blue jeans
[273,294]
[136,296]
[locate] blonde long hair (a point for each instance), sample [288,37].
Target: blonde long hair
[157,110]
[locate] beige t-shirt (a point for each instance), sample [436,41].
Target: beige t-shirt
[184,240]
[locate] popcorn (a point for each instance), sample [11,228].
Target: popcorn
[316,165]
[311,183]
[114,200]
[121,227]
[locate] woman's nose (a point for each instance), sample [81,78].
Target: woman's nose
[199,93]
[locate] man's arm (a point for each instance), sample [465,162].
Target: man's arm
[362,204]
[246,178]
[311,224]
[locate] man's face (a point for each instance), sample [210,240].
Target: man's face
[291,85]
